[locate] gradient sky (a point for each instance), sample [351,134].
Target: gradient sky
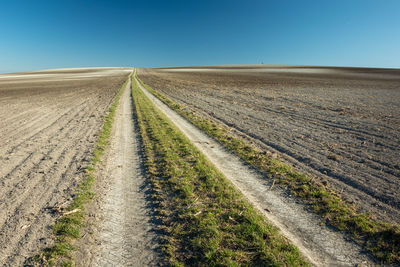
[53,34]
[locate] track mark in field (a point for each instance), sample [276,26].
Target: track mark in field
[127,233]
[320,244]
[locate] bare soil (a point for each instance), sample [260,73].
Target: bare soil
[341,125]
[48,126]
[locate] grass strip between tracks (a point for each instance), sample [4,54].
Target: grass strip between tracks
[68,227]
[205,220]
[382,240]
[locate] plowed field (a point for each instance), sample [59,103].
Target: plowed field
[341,125]
[48,126]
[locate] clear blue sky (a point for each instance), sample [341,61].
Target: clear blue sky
[56,33]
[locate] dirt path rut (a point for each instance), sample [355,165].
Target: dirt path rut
[321,245]
[127,236]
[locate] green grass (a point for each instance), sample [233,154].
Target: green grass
[205,220]
[68,227]
[382,240]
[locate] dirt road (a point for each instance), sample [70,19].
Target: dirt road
[123,229]
[339,124]
[48,126]
[320,244]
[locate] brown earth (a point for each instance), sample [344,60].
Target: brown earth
[341,125]
[48,126]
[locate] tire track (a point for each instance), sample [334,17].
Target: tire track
[127,235]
